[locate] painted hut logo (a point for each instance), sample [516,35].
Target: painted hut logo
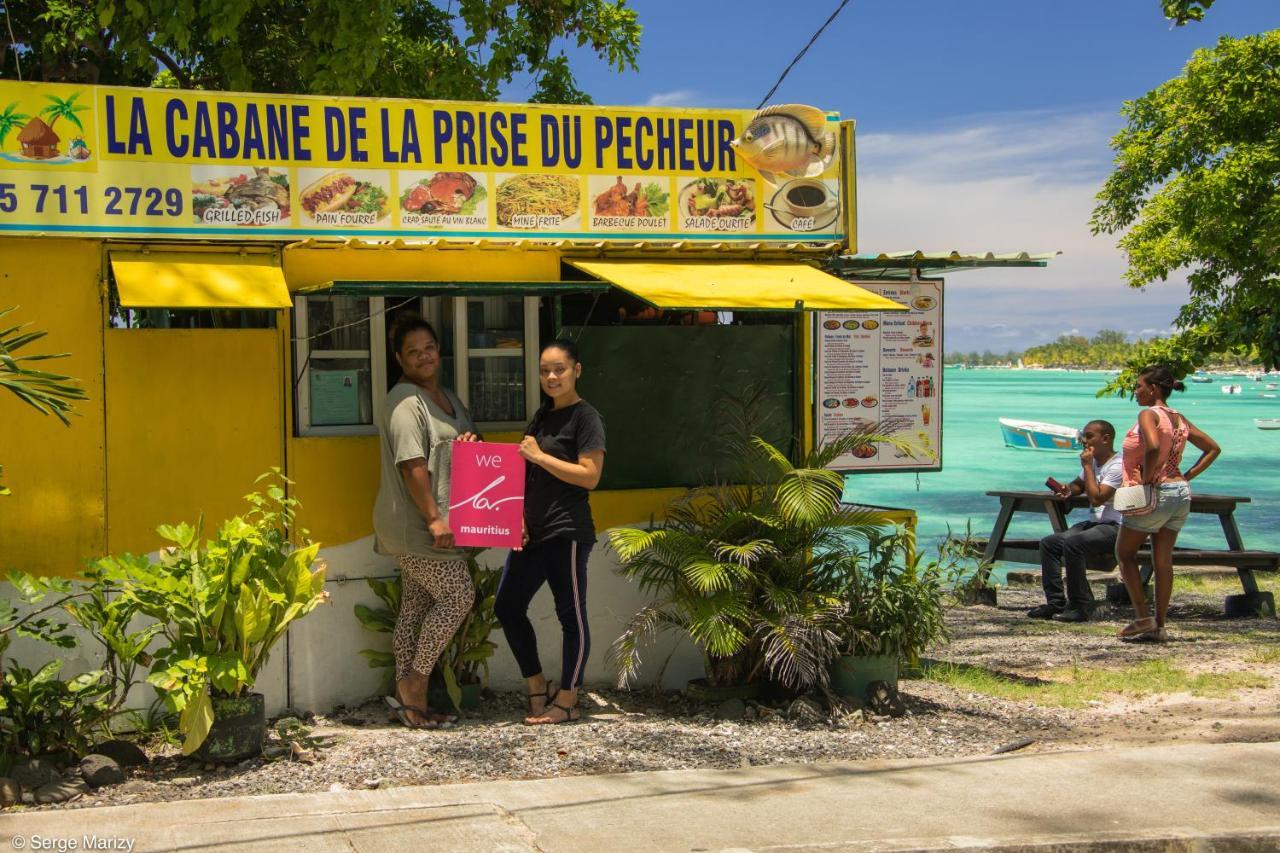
[38,138]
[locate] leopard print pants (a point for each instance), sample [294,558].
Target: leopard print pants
[435,596]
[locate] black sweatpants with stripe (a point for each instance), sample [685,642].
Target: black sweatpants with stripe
[562,565]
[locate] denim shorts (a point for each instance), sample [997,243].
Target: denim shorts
[1173,505]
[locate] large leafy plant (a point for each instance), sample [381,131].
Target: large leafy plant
[753,569]
[41,712]
[222,604]
[895,600]
[465,659]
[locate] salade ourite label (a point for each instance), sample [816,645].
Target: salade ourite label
[119,161]
[884,370]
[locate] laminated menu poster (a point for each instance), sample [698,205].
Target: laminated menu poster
[486,494]
[884,368]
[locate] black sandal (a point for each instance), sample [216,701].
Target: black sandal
[569,713]
[545,696]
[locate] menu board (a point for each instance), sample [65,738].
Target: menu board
[112,161]
[886,369]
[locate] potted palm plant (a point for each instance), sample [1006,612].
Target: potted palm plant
[751,569]
[222,605]
[894,604]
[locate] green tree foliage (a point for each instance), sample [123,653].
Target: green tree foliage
[1197,187]
[466,49]
[1184,11]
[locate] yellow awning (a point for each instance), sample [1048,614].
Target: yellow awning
[199,280]
[736,285]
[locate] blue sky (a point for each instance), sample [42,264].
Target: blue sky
[981,126]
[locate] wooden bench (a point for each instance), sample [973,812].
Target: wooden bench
[1235,555]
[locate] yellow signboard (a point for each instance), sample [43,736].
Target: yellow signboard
[93,160]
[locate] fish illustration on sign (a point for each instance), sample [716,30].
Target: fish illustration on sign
[789,139]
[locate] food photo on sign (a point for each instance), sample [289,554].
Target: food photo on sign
[486,494]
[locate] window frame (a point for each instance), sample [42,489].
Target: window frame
[432,308]
[304,355]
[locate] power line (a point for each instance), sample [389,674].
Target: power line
[801,54]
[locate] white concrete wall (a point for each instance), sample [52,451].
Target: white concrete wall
[325,666]
[318,664]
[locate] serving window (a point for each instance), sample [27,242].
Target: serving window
[345,361]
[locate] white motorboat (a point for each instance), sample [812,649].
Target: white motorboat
[1231,389]
[1267,423]
[1036,435]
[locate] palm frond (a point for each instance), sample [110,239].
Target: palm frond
[641,631]
[46,392]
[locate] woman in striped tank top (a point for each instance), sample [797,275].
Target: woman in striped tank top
[1152,453]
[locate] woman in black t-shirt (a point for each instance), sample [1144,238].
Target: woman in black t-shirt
[564,448]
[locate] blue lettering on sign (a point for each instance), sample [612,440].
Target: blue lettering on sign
[442,132]
[550,140]
[228,137]
[644,154]
[499,139]
[685,132]
[300,132]
[335,137]
[175,110]
[202,135]
[355,123]
[519,137]
[253,147]
[604,138]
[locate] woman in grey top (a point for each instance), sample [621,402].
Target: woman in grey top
[417,426]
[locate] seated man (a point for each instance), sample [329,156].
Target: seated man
[1100,476]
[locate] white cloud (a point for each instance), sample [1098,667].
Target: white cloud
[674,98]
[1005,183]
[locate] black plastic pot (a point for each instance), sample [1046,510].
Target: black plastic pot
[438,697]
[851,674]
[239,729]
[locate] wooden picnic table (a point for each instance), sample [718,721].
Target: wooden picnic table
[1056,507]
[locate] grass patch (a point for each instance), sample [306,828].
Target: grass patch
[1234,637]
[1223,584]
[1263,654]
[1076,686]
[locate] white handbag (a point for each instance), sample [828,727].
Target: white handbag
[1134,500]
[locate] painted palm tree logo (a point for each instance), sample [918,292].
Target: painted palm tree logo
[38,139]
[67,108]
[10,118]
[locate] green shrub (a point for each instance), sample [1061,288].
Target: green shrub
[221,604]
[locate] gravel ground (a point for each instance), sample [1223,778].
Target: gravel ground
[632,731]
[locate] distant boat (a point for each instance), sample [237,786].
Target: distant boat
[1199,378]
[1034,435]
[1268,396]
[1267,423]
[1271,386]
[1231,389]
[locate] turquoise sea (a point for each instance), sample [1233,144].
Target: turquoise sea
[975,459]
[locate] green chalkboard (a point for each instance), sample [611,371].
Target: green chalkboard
[656,387]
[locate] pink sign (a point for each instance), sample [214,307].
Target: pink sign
[486,494]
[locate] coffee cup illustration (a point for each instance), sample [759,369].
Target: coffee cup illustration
[804,197]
